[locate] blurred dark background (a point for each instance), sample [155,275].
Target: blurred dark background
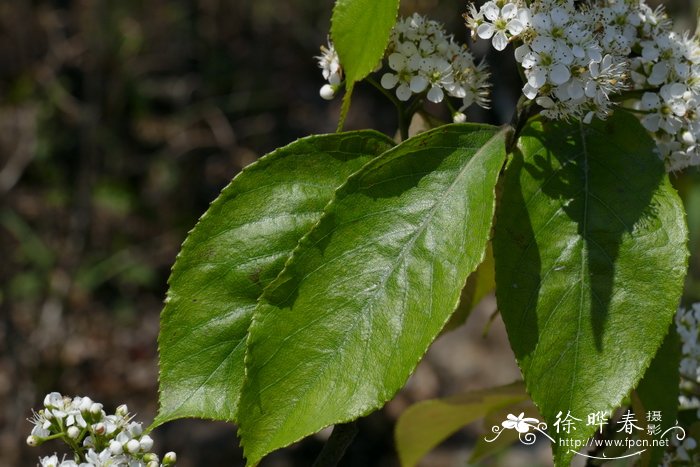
[120,121]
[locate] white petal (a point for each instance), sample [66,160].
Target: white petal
[500,41]
[389,80]
[520,52]
[542,44]
[649,101]
[397,61]
[537,78]
[485,30]
[651,122]
[575,89]
[541,22]
[491,11]
[509,10]
[515,27]
[529,91]
[559,74]
[435,94]
[545,102]
[559,16]
[403,92]
[658,73]
[418,84]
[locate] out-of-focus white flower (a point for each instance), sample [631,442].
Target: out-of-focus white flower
[65,418]
[329,62]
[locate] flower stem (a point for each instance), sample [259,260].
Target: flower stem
[334,449]
[403,119]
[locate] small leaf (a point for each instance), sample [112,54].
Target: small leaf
[239,245]
[590,249]
[366,292]
[360,32]
[426,424]
[658,392]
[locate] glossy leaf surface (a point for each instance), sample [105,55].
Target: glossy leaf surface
[366,292]
[590,250]
[238,246]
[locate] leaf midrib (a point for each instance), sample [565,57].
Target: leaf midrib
[400,260]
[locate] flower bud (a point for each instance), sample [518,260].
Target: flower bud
[152,464]
[146,443]
[327,92]
[115,447]
[33,441]
[459,117]
[122,410]
[99,428]
[85,404]
[150,457]
[169,458]
[73,432]
[96,408]
[133,446]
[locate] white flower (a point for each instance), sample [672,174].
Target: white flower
[104,458]
[49,461]
[665,109]
[146,443]
[329,62]
[424,60]
[504,23]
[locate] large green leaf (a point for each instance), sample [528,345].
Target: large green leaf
[426,424]
[237,248]
[590,249]
[360,31]
[366,292]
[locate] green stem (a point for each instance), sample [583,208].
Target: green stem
[522,113]
[334,449]
[400,111]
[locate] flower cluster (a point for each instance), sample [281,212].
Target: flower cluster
[681,452]
[576,58]
[97,439]
[329,63]
[422,57]
[684,452]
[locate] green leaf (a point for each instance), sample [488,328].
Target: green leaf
[426,424]
[590,249]
[239,245]
[658,392]
[479,284]
[366,292]
[360,32]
